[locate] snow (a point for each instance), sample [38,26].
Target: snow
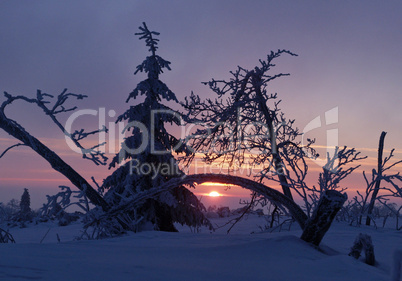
[152,255]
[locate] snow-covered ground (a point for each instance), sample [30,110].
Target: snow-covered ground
[203,256]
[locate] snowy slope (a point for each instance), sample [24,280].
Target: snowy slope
[193,256]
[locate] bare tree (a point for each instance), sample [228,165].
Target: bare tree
[378,180]
[337,168]
[364,203]
[244,125]
[43,100]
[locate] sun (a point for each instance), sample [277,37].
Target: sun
[214,194]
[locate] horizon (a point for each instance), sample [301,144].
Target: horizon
[348,60]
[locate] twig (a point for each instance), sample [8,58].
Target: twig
[15,145]
[44,236]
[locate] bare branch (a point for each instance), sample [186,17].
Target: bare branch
[244,125]
[11,147]
[16,130]
[43,102]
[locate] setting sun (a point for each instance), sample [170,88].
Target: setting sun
[214,194]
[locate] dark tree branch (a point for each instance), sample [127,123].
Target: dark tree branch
[17,131]
[93,154]
[243,122]
[11,147]
[271,194]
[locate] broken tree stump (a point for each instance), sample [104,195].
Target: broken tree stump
[330,203]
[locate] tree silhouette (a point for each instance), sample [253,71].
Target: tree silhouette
[146,155]
[25,203]
[244,125]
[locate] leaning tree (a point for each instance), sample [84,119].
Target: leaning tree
[54,107]
[243,126]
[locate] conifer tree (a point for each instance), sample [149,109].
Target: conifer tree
[146,158]
[25,204]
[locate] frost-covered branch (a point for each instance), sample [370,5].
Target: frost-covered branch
[271,194]
[338,166]
[379,175]
[44,102]
[62,200]
[17,131]
[243,125]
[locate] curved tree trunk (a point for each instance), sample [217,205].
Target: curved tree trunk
[314,228]
[270,193]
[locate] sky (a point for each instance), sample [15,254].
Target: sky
[349,61]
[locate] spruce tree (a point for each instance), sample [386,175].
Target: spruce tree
[25,205]
[146,158]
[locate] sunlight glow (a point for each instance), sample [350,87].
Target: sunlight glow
[215,184]
[214,194]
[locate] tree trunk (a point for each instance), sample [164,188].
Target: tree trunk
[164,219]
[330,203]
[271,194]
[278,164]
[18,132]
[378,179]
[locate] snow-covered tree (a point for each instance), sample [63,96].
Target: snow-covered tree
[244,126]
[25,203]
[146,158]
[245,129]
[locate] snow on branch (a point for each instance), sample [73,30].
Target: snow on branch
[228,120]
[270,193]
[338,167]
[153,65]
[244,126]
[62,200]
[147,35]
[374,184]
[17,131]
[334,170]
[44,101]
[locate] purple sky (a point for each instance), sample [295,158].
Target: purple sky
[349,57]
